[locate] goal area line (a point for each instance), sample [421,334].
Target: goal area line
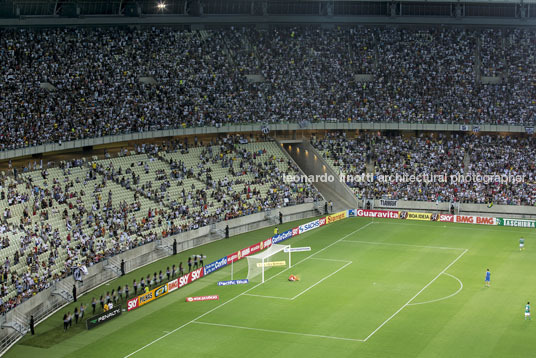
[277,331]
[308,288]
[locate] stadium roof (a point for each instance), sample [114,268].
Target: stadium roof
[506,12]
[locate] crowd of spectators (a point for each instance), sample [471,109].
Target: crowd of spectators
[391,161]
[310,74]
[80,213]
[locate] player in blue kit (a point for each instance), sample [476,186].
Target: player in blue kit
[487,280]
[527,311]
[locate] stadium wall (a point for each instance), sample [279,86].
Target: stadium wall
[50,300]
[228,19]
[288,127]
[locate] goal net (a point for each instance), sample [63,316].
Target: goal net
[274,258]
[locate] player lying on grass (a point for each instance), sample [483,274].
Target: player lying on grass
[293,278]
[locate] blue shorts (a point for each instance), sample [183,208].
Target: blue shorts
[487,279]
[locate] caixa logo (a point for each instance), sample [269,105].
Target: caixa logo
[295,231]
[160,291]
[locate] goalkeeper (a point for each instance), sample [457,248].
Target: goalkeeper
[293,278]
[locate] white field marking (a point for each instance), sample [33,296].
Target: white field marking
[280,332]
[319,258]
[406,245]
[307,289]
[280,298]
[442,298]
[418,293]
[469,226]
[240,294]
[325,278]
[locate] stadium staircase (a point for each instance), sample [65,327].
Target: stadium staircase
[62,290]
[302,152]
[113,265]
[17,322]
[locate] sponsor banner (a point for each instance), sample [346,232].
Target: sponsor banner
[255,248]
[250,250]
[516,222]
[415,216]
[233,282]
[232,258]
[469,219]
[267,243]
[447,218]
[297,249]
[216,265]
[145,298]
[336,217]
[282,237]
[322,221]
[388,203]
[173,285]
[203,298]
[309,226]
[295,231]
[485,220]
[383,214]
[272,264]
[132,304]
[352,212]
[160,291]
[103,317]
[152,295]
[190,277]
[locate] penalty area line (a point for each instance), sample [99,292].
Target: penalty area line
[418,293]
[280,332]
[241,294]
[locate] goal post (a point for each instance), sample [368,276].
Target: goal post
[274,256]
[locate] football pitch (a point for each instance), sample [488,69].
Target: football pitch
[367,288]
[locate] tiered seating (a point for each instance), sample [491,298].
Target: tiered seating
[478,160]
[71,216]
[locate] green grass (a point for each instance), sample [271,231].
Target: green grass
[367,289]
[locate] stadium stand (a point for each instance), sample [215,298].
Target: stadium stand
[435,154]
[105,81]
[59,218]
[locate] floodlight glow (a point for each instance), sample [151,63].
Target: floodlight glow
[161,5]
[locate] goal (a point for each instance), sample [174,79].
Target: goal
[274,256]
